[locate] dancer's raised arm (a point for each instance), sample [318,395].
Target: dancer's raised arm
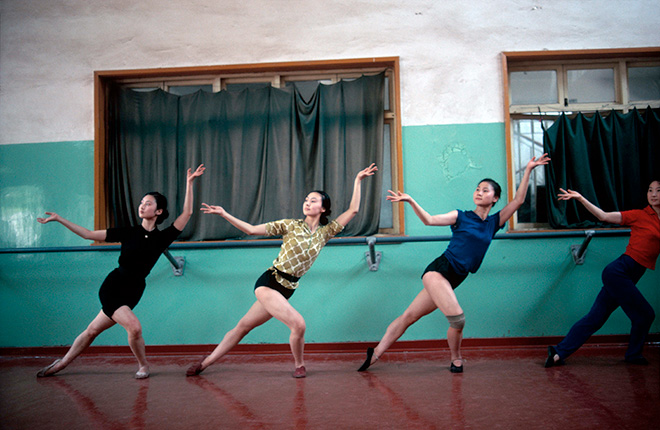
[245,227]
[438,220]
[609,217]
[354,207]
[182,220]
[518,200]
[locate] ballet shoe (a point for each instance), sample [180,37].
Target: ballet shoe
[641,361]
[195,369]
[550,360]
[454,368]
[44,372]
[142,374]
[300,372]
[367,362]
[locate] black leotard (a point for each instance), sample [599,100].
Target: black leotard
[140,250]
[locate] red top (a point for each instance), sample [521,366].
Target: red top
[644,243]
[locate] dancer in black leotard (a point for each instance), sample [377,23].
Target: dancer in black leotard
[140,248]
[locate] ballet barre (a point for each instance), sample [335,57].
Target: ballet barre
[372,257]
[578,252]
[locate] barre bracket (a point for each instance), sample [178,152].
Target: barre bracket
[178,263]
[373,257]
[578,251]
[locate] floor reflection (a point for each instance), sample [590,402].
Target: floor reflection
[399,405]
[88,408]
[245,414]
[586,394]
[457,403]
[241,411]
[506,389]
[299,410]
[642,389]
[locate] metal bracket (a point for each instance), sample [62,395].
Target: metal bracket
[578,251]
[178,263]
[373,257]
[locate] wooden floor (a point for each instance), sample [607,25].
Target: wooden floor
[501,388]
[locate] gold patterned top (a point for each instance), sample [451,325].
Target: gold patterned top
[300,246]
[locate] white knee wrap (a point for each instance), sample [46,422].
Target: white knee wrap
[456,321]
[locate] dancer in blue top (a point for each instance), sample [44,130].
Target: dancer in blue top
[472,232]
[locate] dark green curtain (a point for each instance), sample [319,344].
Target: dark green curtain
[141,151]
[264,150]
[610,159]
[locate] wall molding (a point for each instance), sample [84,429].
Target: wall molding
[321,348]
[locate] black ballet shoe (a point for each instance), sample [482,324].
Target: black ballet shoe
[456,369]
[367,362]
[550,361]
[640,361]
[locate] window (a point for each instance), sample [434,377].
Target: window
[306,76]
[540,85]
[644,83]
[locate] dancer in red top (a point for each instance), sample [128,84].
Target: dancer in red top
[619,279]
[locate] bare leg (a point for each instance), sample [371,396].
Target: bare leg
[443,296]
[280,308]
[125,317]
[98,325]
[422,305]
[437,294]
[454,339]
[255,316]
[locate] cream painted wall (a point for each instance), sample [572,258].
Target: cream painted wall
[449,50]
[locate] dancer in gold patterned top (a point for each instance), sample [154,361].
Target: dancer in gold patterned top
[302,240]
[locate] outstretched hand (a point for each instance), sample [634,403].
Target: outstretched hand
[568,194]
[369,171]
[543,159]
[211,209]
[398,196]
[198,172]
[52,217]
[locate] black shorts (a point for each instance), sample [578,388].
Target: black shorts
[267,279]
[442,266]
[120,289]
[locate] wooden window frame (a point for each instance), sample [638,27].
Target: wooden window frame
[222,74]
[537,60]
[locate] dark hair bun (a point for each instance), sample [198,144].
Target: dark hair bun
[162,217]
[161,203]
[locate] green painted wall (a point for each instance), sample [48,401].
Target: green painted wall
[524,287]
[57,177]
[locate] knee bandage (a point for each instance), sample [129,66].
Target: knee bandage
[456,321]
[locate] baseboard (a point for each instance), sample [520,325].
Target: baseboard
[316,348]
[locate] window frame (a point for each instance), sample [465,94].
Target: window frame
[619,59]
[220,76]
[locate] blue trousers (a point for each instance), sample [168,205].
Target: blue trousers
[619,289]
